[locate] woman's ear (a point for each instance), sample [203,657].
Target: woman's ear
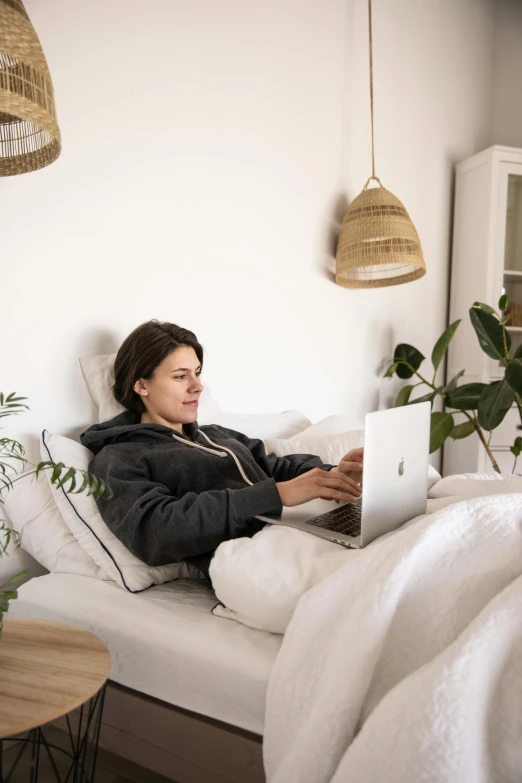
[139,388]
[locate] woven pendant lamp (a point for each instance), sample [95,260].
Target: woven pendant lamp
[378,244]
[29,133]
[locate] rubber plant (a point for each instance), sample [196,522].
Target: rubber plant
[469,407]
[13,465]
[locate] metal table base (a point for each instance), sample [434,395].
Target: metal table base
[82,749]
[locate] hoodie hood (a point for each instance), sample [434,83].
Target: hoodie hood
[127,427]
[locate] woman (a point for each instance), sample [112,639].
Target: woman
[179,489]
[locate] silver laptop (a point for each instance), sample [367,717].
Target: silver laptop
[395,482]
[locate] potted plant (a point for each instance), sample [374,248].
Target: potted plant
[482,406]
[14,464]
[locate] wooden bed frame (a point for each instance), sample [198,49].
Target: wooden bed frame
[182,745]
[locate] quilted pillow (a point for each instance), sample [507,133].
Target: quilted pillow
[84,521]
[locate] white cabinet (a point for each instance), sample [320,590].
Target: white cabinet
[486,261]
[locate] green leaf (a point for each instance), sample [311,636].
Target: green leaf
[485,308]
[425,398]
[442,425]
[518,352]
[503,303]
[407,353]
[55,475]
[494,403]
[93,484]
[518,443]
[403,396]
[84,483]
[14,579]
[463,430]
[391,369]
[514,375]
[465,397]
[489,333]
[68,476]
[453,383]
[9,595]
[441,346]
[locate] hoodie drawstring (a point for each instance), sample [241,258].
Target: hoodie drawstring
[218,453]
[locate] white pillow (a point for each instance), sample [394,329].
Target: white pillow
[331,425]
[44,534]
[98,372]
[331,448]
[81,514]
[263,425]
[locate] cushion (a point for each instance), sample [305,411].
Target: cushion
[98,372]
[263,425]
[326,441]
[44,534]
[332,425]
[331,448]
[84,521]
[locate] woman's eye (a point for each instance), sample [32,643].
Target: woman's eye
[178,377]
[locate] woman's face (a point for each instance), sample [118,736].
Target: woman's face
[174,384]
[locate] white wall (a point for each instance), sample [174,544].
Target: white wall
[208,152]
[507,93]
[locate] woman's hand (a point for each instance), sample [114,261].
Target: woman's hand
[317,483]
[351,465]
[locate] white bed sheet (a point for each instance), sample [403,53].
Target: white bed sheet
[165,642]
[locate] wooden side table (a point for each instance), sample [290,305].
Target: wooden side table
[48,669]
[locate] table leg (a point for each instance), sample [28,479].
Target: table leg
[82,752]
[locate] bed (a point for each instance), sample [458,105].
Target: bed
[186,696]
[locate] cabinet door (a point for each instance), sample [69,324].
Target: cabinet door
[507,271]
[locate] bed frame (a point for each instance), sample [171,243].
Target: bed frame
[182,745]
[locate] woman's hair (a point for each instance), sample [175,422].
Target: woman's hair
[141,352]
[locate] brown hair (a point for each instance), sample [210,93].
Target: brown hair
[141,352]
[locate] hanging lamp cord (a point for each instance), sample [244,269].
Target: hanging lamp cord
[371,94]
[371,81]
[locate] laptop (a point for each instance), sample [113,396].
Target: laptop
[395,483]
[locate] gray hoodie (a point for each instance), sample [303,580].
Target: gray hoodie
[178,499]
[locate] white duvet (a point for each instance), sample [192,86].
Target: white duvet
[401,661]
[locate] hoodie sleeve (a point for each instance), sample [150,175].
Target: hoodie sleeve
[279,468]
[160,528]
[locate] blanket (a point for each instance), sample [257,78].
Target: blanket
[404,661]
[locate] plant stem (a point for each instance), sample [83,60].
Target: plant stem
[484,443]
[417,373]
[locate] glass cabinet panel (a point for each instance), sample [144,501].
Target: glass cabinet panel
[513,254]
[513,258]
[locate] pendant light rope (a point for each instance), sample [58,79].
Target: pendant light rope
[371,84]
[378,244]
[370,40]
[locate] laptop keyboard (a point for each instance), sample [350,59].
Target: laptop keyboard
[346,519]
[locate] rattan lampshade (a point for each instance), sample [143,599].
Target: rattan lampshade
[378,244]
[29,133]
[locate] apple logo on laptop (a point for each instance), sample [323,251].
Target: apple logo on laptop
[401,467]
